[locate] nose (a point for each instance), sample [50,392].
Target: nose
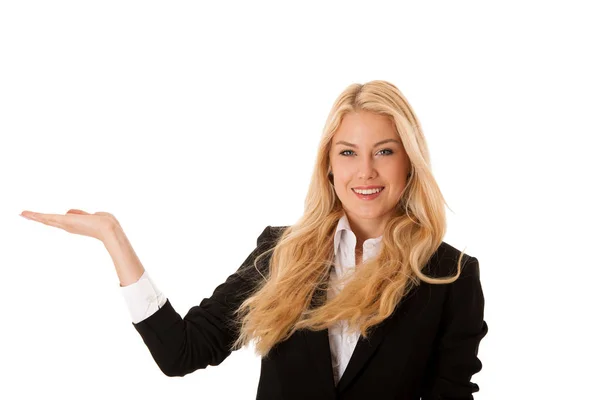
[366,169]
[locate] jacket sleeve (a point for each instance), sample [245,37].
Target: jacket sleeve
[204,336]
[454,360]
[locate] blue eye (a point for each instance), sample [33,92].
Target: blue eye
[388,150]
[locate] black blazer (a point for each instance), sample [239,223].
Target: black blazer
[427,349]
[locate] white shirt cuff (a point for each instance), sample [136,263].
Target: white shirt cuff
[143,298]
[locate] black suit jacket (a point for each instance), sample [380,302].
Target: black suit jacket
[427,349]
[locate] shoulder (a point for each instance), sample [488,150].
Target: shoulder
[270,235]
[444,263]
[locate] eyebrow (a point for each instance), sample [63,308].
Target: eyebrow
[376,144]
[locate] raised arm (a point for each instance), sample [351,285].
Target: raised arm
[205,334]
[179,345]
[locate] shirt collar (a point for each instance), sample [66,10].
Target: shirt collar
[344,225]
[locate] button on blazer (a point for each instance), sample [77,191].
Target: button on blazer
[427,349]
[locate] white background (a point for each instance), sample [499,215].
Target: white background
[197,126]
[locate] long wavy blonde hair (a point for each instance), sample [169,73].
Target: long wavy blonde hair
[300,261]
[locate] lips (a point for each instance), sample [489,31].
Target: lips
[367,187]
[368,196]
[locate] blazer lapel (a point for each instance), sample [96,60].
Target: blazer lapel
[317,343]
[320,352]
[362,353]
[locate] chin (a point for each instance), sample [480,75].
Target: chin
[367,214]
[375,212]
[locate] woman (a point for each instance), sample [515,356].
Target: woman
[360,299]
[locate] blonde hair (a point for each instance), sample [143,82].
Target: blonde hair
[302,256]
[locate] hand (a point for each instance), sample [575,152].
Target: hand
[77,221]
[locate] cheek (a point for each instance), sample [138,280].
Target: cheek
[396,173]
[342,179]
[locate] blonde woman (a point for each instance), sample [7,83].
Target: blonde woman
[359,299]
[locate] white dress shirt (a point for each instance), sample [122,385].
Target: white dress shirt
[143,297]
[341,342]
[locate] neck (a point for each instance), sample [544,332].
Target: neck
[366,228]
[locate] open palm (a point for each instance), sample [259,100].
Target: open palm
[77,221]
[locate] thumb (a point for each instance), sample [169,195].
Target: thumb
[76,211]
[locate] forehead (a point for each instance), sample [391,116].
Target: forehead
[365,127]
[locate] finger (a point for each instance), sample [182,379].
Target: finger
[56,220]
[49,219]
[28,214]
[76,211]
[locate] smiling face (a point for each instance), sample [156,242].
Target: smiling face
[367,153]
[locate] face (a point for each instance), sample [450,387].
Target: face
[367,153]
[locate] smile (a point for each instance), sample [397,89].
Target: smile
[369,194]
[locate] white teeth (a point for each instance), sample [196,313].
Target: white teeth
[369,191]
